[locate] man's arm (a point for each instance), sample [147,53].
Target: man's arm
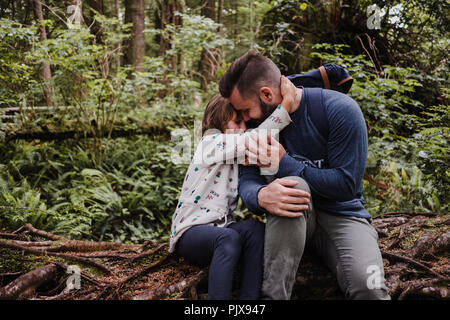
[347,154]
[250,182]
[277,197]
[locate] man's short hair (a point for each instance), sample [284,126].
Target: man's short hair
[249,73]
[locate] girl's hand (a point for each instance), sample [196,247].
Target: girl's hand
[263,152]
[288,91]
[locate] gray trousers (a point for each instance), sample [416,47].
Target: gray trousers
[348,245]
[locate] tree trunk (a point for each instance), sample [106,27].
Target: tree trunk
[135,14]
[220,13]
[167,9]
[210,60]
[119,45]
[76,18]
[96,28]
[46,73]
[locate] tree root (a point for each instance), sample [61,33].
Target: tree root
[87,261]
[38,232]
[150,253]
[180,288]
[425,288]
[415,263]
[414,247]
[86,246]
[143,271]
[28,281]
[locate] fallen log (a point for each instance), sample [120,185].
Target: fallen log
[46,135]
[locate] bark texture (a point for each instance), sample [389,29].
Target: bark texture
[135,14]
[46,73]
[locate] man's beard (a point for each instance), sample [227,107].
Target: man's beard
[266,110]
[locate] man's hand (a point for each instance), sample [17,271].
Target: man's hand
[280,199]
[262,152]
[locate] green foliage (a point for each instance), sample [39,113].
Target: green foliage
[409,191]
[402,133]
[58,188]
[17,78]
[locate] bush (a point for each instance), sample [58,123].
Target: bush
[59,189]
[406,139]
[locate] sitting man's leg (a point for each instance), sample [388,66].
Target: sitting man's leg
[349,247]
[283,249]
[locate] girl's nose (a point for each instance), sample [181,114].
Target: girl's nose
[246,117]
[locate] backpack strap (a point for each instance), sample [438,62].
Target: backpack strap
[316,110]
[326,81]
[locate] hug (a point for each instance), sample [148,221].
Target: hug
[262,142]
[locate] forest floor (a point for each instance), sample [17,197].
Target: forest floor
[35,264]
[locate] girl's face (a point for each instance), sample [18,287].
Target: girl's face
[236,124]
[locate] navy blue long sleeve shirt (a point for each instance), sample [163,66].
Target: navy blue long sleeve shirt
[333,169]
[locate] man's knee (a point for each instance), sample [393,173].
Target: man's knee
[367,284]
[302,184]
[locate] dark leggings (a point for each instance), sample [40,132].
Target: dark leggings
[222,248]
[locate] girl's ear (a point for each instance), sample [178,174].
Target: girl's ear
[266,94]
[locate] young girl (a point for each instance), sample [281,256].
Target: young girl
[203,230]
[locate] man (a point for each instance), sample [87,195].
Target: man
[331,169]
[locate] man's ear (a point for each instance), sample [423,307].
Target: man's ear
[266,94]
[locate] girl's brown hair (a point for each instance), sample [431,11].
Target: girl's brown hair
[217,114]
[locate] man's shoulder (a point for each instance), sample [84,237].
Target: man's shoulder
[340,106]
[335,97]
[338,101]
